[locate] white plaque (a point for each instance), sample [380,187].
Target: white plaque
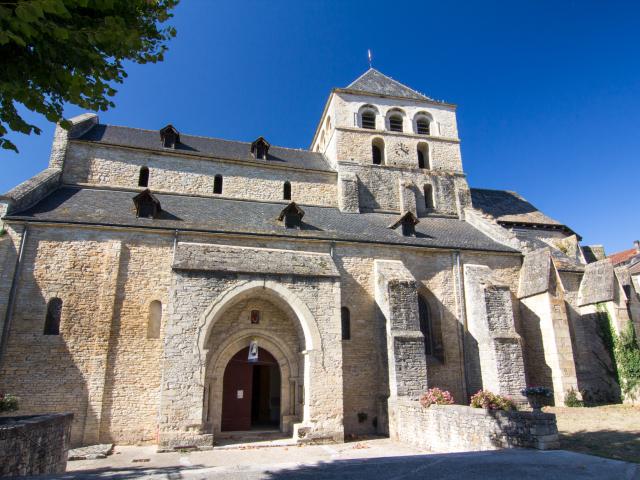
[253,351]
[240,394]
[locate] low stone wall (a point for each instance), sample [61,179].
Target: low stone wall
[35,444]
[457,428]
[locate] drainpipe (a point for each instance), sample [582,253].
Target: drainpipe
[12,295]
[462,324]
[175,244]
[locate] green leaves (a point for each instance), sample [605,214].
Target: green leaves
[72,51]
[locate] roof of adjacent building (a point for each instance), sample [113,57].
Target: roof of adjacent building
[624,256]
[373,81]
[217,215]
[508,207]
[203,146]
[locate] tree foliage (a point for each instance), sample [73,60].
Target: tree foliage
[58,51]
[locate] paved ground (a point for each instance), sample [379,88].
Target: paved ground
[611,431]
[369,460]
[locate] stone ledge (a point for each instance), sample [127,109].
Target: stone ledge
[229,259]
[30,191]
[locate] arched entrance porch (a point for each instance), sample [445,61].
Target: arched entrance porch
[199,343]
[263,318]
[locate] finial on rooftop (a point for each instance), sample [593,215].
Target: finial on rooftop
[369,54]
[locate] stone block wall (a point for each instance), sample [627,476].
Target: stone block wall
[9,250]
[102,367]
[34,445]
[88,164]
[345,106]
[105,311]
[197,299]
[400,149]
[348,200]
[397,298]
[493,346]
[457,428]
[378,188]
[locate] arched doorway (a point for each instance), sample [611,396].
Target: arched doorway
[251,392]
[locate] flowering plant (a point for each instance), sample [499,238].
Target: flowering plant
[437,397]
[491,401]
[539,391]
[8,402]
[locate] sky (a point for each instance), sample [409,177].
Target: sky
[548,91]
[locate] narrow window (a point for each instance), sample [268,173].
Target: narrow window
[395,123]
[217,185]
[377,151]
[377,155]
[430,328]
[423,126]
[143,178]
[423,155]
[425,326]
[155,319]
[428,196]
[52,320]
[286,191]
[255,317]
[369,120]
[346,323]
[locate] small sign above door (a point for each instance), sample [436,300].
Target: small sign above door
[253,351]
[240,394]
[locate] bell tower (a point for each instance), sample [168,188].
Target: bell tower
[395,149]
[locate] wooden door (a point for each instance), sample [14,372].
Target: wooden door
[236,393]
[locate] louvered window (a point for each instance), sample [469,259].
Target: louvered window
[423,126]
[395,123]
[369,120]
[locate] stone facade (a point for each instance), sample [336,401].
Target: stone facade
[130,321]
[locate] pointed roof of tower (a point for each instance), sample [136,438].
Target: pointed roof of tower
[373,81]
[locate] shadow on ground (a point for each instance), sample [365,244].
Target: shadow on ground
[514,464]
[177,472]
[619,445]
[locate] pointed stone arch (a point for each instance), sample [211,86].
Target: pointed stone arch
[285,299]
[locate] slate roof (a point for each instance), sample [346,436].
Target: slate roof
[373,81]
[509,207]
[203,146]
[597,283]
[115,207]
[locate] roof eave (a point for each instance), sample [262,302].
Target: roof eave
[541,226]
[394,97]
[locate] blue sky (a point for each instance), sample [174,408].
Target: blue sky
[548,92]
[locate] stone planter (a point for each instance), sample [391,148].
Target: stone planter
[536,402]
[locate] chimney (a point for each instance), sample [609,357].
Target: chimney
[637,245]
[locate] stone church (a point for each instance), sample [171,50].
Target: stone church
[168,288]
